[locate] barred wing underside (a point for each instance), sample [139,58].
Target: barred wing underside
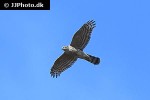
[62,63]
[82,36]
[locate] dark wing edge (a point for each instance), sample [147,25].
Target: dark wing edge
[82,36]
[62,63]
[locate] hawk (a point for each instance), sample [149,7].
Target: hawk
[75,50]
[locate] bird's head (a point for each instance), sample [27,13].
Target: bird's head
[65,48]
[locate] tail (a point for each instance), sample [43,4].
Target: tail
[92,59]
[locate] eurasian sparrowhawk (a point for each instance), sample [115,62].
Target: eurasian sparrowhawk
[75,50]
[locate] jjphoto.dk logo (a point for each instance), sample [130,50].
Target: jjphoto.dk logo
[25,5]
[39,4]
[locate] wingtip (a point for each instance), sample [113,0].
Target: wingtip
[54,74]
[91,23]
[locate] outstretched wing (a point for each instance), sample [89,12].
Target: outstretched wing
[62,63]
[82,36]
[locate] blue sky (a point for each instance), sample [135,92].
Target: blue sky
[30,42]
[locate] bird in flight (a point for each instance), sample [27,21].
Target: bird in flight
[75,50]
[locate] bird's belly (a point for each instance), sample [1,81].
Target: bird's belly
[81,54]
[70,53]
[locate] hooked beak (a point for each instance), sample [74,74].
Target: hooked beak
[63,48]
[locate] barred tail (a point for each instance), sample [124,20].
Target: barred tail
[94,60]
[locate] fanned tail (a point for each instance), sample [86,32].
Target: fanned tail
[93,59]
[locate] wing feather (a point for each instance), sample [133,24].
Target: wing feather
[82,36]
[62,63]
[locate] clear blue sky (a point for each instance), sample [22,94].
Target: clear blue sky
[30,42]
